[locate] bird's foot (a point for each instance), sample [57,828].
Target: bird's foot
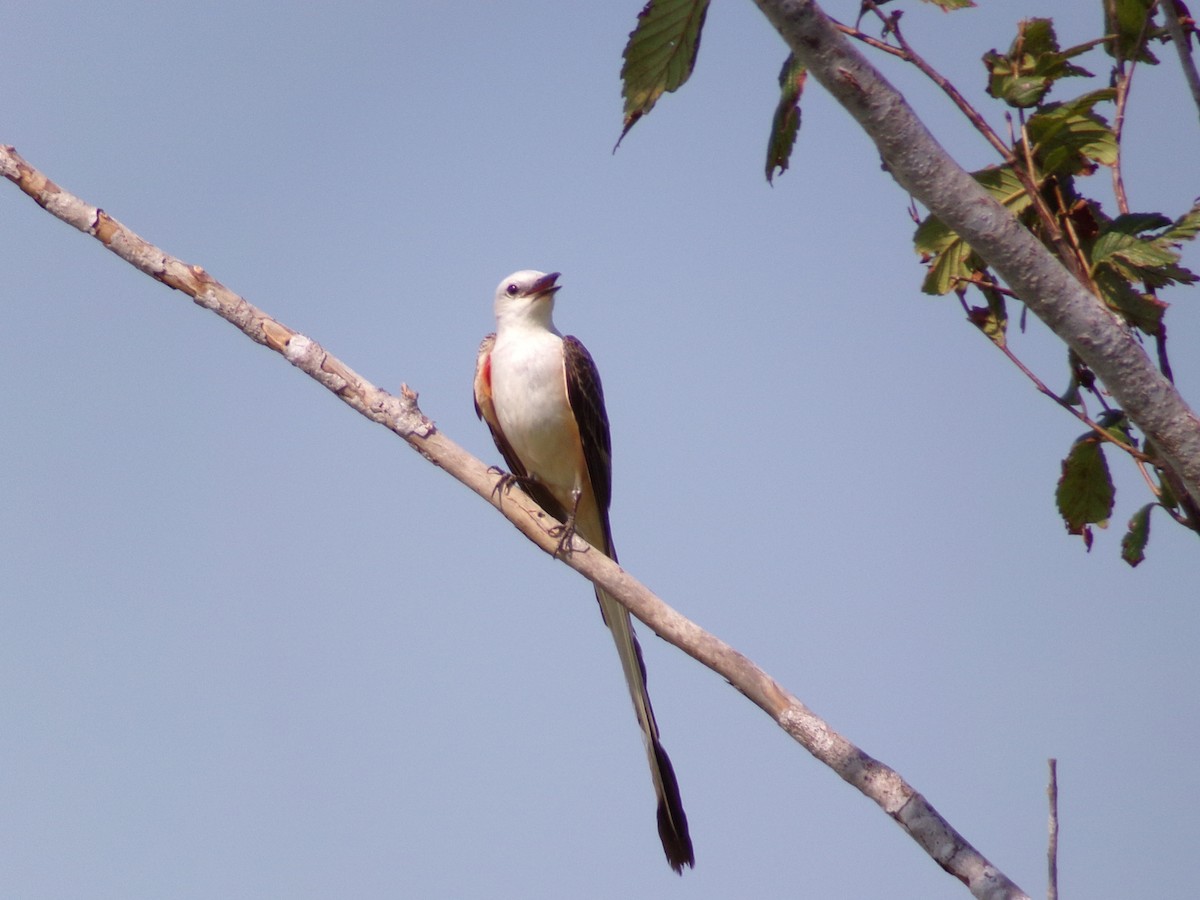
[564,532]
[504,483]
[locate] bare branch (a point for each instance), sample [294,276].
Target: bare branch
[1101,432]
[401,415]
[906,52]
[1052,845]
[923,168]
[1183,46]
[1123,80]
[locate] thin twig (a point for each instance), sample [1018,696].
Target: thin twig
[1183,46]
[1160,345]
[1157,491]
[1124,81]
[908,54]
[1083,417]
[859,35]
[1052,846]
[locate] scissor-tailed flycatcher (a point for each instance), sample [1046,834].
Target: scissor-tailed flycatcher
[540,395]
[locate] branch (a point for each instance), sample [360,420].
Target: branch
[1101,432]
[1122,78]
[1183,46]
[906,52]
[1052,844]
[926,171]
[402,416]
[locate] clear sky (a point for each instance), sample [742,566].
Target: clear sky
[253,646]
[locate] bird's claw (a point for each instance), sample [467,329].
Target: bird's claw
[564,532]
[504,483]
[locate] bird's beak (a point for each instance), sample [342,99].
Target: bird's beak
[545,285]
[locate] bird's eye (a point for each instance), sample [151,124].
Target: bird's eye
[512,290]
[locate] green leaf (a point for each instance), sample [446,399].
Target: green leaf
[1126,253]
[1117,425]
[1133,545]
[786,124]
[992,319]
[1067,138]
[1184,228]
[1130,21]
[950,259]
[1024,75]
[660,55]
[951,265]
[951,5]
[1085,491]
[1005,187]
[1136,223]
[1141,310]
[1129,252]
[1166,494]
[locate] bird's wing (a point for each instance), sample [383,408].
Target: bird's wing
[586,397]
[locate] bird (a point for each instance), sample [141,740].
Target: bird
[540,395]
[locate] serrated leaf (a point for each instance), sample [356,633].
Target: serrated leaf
[1085,490]
[1141,310]
[932,236]
[786,123]
[1133,545]
[1123,254]
[660,54]
[950,258]
[1023,76]
[1068,137]
[1130,252]
[1184,228]
[1084,102]
[1005,187]
[950,268]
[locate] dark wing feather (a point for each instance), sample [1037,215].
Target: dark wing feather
[586,396]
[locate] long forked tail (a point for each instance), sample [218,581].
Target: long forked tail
[672,820]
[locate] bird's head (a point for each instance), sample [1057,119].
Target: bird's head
[526,297]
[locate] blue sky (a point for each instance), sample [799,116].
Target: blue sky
[253,646]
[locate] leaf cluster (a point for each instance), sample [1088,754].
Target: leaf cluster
[1125,259]
[1023,76]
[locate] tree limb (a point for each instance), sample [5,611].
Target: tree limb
[402,416]
[923,168]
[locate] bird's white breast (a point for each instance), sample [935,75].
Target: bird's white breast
[529,393]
